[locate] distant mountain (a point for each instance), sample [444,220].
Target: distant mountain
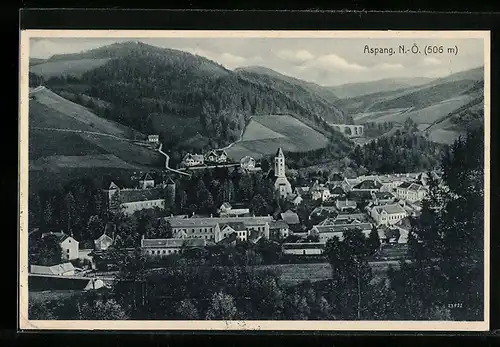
[191,101]
[445,106]
[36,61]
[351,90]
[416,97]
[310,87]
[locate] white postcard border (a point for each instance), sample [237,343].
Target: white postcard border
[441,326]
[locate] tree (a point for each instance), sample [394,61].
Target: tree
[95,227]
[258,205]
[350,270]
[221,307]
[245,188]
[186,309]
[48,251]
[447,240]
[102,310]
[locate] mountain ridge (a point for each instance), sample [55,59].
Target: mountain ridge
[182,96]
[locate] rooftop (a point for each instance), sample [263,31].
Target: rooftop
[52,270]
[133,195]
[290,217]
[368,184]
[342,227]
[390,209]
[236,226]
[213,221]
[157,243]
[278,224]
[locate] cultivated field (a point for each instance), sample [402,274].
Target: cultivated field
[265,134]
[80,161]
[68,135]
[429,114]
[66,67]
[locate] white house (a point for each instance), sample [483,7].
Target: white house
[278,230]
[247,163]
[165,247]
[193,159]
[226,210]
[153,138]
[320,192]
[68,245]
[237,228]
[367,186]
[388,214]
[103,242]
[295,199]
[411,192]
[346,205]
[326,232]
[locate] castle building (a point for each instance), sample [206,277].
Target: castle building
[132,200]
[281,185]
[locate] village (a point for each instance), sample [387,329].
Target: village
[381,204]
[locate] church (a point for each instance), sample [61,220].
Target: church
[281,185]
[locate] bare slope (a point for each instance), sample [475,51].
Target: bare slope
[275,131]
[66,135]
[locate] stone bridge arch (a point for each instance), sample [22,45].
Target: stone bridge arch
[349,130]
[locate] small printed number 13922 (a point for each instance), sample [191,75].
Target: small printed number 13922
[455,305]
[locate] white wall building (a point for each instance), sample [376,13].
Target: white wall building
[388,214]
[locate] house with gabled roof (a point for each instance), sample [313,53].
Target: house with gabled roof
[344,205]
[411,191]
[383,198]
[278,230]
[228,210]
[146,181]
[320,192]
[367,186]
[193,160]
[292,219]
[388,214]
[326,232]
[69,246]
[165,247]
[237,228]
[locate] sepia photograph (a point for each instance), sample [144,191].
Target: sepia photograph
[254,180]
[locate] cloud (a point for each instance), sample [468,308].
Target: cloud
[232,61]
[299,56]
[388,66]
[431,61]
[335,62]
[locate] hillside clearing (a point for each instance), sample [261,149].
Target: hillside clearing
[265,134]
[70,115]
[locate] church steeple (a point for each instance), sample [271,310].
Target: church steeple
[281,184]
[279,164]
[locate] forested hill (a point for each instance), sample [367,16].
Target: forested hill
[192,102]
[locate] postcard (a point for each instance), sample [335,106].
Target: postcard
[254,180]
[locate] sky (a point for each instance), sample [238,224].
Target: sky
[325,61]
